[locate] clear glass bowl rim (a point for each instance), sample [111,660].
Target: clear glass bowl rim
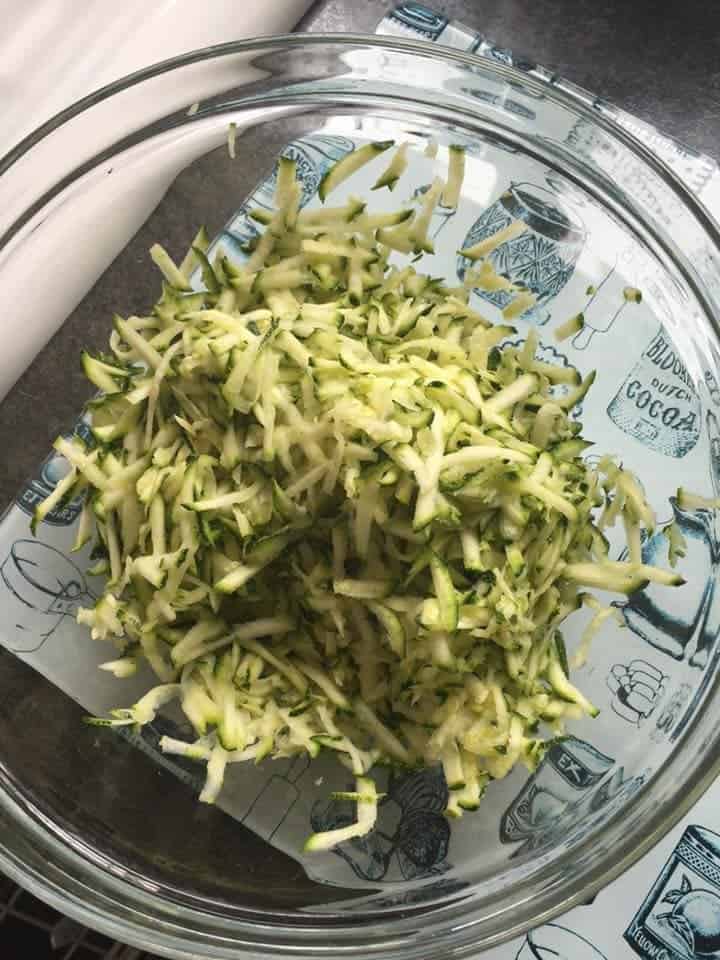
[69,877]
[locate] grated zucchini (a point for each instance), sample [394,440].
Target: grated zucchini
[337,512]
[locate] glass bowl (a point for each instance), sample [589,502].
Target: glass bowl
[112,834]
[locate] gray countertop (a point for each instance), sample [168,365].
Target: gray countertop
[658,60]
[665,68]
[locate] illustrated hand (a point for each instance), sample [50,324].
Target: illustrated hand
[637,687]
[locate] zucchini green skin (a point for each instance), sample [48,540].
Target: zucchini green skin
[349,164]
[394,170]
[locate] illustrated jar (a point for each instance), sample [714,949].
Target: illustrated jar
[568,776]
[51,473]
[313,155]
[418,20]
[680,917]
[541,258]
[39,586]
[657,404]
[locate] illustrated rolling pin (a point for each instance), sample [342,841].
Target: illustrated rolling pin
[603,307]
[39,587]
[606,308]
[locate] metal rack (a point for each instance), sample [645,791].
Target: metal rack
[31,929]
